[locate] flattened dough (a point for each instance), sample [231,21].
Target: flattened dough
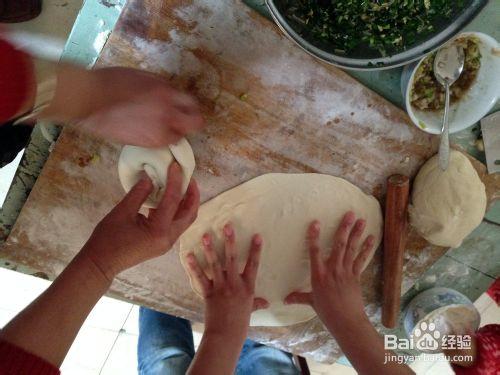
[155,162]
[447,206]
[280,208]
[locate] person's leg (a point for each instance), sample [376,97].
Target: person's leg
[259,359]
[165,343]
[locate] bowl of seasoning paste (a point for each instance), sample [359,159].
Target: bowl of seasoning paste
[472,96]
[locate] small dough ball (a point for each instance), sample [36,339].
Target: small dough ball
[447,206]
[155,162]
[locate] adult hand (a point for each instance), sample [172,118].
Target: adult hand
[125,238]
[124,105]
[229,296]
[336,289]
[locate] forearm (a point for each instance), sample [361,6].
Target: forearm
[76,95]
[217,354]
[363,345]
[49,325]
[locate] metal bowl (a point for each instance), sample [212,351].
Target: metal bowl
[413,53]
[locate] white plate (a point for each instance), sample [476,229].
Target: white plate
[477,102]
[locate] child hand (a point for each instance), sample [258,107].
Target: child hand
[229,296]
[336,289]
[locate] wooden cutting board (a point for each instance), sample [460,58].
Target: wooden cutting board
[269,108]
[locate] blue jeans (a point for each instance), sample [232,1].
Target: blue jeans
[166,347]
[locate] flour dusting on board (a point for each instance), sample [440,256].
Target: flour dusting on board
[157,56]
[224,30]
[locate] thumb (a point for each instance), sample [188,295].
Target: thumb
[299,298]
[134,199]
[260,304]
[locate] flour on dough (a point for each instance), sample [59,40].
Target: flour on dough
[280,207]
[155,162]
[447,206]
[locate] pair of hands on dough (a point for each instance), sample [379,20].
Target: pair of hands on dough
[336,289]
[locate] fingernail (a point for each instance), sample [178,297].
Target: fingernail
[349,218]
[206,239]
[257,239]
[175,166]
[316,225]
[228,230]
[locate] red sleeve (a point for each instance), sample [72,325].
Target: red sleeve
[16,71]
[16,361]
[488,353]
[494,291]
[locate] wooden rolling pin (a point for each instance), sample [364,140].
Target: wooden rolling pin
[396,207]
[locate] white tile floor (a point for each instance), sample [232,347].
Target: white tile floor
[6,175]
[107,342]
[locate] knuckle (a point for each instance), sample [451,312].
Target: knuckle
[156,141]
[322,282]
[174,194]
[314,248]
[156,229]
[341,244]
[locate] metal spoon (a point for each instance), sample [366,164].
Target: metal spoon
[448,65]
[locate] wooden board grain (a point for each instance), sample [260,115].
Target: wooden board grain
[269,108]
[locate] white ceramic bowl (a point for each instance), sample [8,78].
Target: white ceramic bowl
[475,104]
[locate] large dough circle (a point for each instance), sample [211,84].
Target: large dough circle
[155,162]
[447,206]
[280,208]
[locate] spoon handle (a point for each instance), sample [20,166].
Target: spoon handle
[444,146]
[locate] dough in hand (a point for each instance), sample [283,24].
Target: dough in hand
[280,208]
[155,162]
[447,206]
